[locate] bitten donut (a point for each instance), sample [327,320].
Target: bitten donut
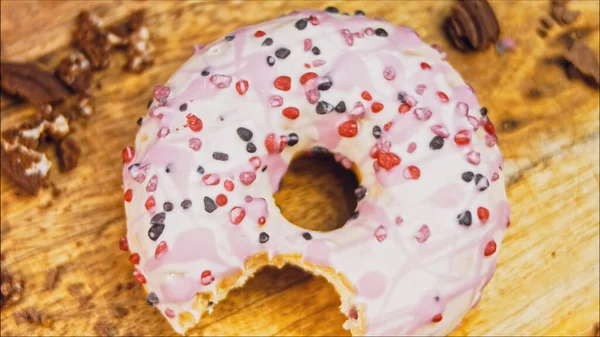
[220,134]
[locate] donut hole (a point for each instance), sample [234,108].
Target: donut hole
[317,193]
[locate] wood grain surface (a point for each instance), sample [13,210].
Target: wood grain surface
[547,281]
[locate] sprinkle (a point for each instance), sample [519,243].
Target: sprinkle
[420,89]
[205,72]
[347,37]
[161,249]
[301,24]
[229,37]
[128,195]
[359,12]
[236,215]
[411,147]
[241,87]
[264,168]
[313,20]
[262,220]
[292,139]
[423,234]
[194,123]
[247,178]
[250,147]
[211,179]
[399,220]
[474,122]
[422,114]
[412,172]
[474,157]
[270,61]
[195,143]
[389,73]
[437,318]
[140,121]
[464,218]
[283,83]
[209,205]
[307,44]
[259,33]
[291,112]
[158,218]
[275,101]
[187,203]
[324,107]
[206,277]
[462,137]
[263,237]
[388,160]
[380,233]
[425,66]
[167,206]
[443,97]
[150,203]
[360,192]
[128,154]
[318,63]
[440,130]
[139,277]
[495,176]
[467,176]
[221,199]
[123,245]
[376,132]
[403,108]
[483,214]
[282,53]
[316,51]
[255,162]
[183,107]
[376,107]
[155,231]
[170,313]
[481,182]
[163,132]
[491,140]
[490,248]
[307,236]
[267,42]
[220,156]
[381,32]
[348,129]
[221,81]
[152,299]
[200,170]
[324,83]
[340,107]
[332,9]
[369,31]
[161,93]
[483,111]
[366,96]
[436,143]
[307,77]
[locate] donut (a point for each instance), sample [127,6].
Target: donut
[220,134]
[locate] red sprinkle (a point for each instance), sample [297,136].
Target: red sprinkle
[307,66]
[366,96]
[128,195]
[221,200]
[262,220]
[412,172]
[307,44]
[307,77]
[211,179]
[348,129]
[283,83]
[353,314]
[403,108]
[272,145]
[194,122]
[170,313]
[483,214]
[236,215]
[387,126]
[443,97]
[161,249]
[139,277]
[423,234]
[291,112]
[255,161]
[489,128]
[437,318]
[425,66]
[150,203]
[241,87]
[490,248]
[229,185]
[206,277]
[313,20]
[462,137]
[411,147]
[380,233]
[388,160]
[134,258]
[474,157]
[151,186]
[247,178]
[389,73]
[123,244]
[376,107]
[259,33]
[440,130]
[128,154]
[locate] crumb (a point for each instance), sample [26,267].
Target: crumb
[53,277]
[31,315]
[11,288]
[104,329]
[120,311]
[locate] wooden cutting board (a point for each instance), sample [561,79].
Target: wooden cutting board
[548,273]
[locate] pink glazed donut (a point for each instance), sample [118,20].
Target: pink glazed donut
[220,134]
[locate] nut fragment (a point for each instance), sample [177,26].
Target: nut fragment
[75,71]
[472,25]
[29,81]
[91,38]
[582,62]
[11,288]
[68,153]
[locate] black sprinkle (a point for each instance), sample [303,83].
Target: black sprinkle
[220,156]
[167,206]
[200,170]
[229,37]
[325,83]
[205,72]
[158,218]
[483,111]
[263,237]
[307,236]
[319,150]
[332,9]
[437,298]
[244,134]
[282,53]
[270,61]
[359,12]
[221,118]
[292,139]
[152,299]
[209,205]
[376,132]
[267,42]
[301,24]
[340,107]
[250,147]
[133,165]
[316,51]
[464,218]
[436,143]
[155,231]
[264,168]
[187,203]
[402,97]
[381,32]
[149,103]
[183,107]
[324,107]
[354,215]
[360,192]
[168,168]
[140,120]
[481,182]
[467,176]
